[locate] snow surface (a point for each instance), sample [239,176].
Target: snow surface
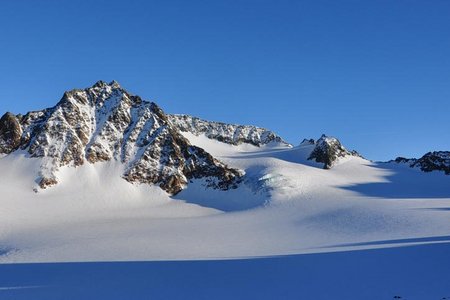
[414,273]
[287,205]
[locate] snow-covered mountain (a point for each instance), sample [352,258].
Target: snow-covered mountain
[328,150]
[105,122]
[118,179]
[431,161]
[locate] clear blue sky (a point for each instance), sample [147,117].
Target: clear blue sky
[376,74]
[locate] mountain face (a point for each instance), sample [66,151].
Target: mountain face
[431,161]
[327,150]
[103,123]
[226,133]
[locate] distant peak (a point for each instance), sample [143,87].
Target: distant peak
[308,142]
[8,115]
[431,161]
[114,84]
[328,150]
[100,84]
[327,139]
[103,84]
[324,139]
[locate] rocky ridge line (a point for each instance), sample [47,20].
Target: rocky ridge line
[226,133]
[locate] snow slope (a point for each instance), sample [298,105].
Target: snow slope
[287,204]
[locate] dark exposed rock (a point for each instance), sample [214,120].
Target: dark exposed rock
[10,133]
[47,182]
[308,142]
[431,161]
[404,160]
[356,153]
[327,150]
[434,161]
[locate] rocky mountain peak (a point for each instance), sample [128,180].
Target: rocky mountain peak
[307,142]
[103,84]
[431,161]
[114,84]
[105,123]
[434,161]
[328,150]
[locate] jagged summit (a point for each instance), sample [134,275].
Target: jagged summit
[103,84]
[327,150]
[308,142]
[431,161]
[104,123]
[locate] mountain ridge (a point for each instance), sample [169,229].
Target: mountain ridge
[233,134]
[430,161]
[105,122]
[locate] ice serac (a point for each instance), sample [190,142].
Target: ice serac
[104,123]
[226,133]
[431,161]
[328,150]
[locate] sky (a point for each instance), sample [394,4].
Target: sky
[375,74]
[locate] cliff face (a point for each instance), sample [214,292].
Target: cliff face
[103,123]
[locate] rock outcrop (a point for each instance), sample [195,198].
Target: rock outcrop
[434,161]
[328,150]
[10,133]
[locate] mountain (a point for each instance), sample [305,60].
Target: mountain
[227,133]
[327,150]
[106,123]
[431,161]
[103,123]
